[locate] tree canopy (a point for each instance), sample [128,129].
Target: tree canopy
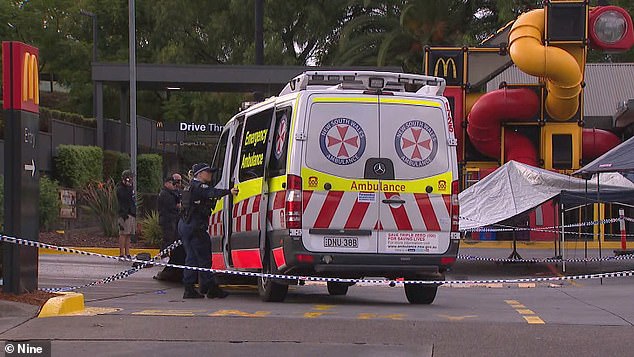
[299,32]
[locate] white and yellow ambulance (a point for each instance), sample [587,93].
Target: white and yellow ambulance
[344,174]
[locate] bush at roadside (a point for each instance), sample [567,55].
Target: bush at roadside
[49,203]
[151,231]
[77,165]
[149,169]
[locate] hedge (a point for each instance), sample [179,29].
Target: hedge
[49,203]
[47,114]
[76,165]
[114,163]
[149,168]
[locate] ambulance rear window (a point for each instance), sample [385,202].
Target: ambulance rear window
[414,138]
[342,135]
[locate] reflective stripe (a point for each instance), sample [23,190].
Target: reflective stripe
[427,103]
[356,216]
[246,258]
[218,261]
[248,189]
[328,209]
[427,211]
[291,133]
[275,183]
[345,100]
[278,254]
[400,215]
[360,185]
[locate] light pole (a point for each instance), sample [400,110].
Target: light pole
[96,89]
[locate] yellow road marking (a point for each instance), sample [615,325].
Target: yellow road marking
[92,311]
[533,320]
[240,313]
[323,307]
[315,314]
[456,318]
[528,314]
[368,316]
[168,312]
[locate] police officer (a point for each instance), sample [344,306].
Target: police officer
[169,205]
[192,227]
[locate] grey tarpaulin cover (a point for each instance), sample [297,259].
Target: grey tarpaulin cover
[618,159]
[515,188]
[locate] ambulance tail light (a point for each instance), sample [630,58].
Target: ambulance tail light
[293,202]
[455,207]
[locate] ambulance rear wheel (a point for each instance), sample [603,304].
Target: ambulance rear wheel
[335,288]
[268,288]
[420,294]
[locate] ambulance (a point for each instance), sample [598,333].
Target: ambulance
[345,174]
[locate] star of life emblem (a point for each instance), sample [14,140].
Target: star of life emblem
[342,141]
[416,143]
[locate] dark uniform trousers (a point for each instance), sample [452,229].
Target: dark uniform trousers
[197,244]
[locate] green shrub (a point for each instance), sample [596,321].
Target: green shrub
[101,199]
[114,163]
[49,202]
[149,168]
[151,231]
[77,165]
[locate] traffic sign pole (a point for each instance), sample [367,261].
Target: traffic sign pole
[21,189]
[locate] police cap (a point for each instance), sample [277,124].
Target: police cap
[200,167]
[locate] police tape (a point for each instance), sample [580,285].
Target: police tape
[619,274]
[546,260]
[120,275]
[543,229]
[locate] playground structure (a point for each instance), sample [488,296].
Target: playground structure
[537,124]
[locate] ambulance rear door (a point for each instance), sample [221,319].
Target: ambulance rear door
[341,206]
[415,168]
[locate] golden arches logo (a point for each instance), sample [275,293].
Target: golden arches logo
[445,62]
[30,79]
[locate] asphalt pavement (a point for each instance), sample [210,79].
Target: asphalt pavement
[139,315]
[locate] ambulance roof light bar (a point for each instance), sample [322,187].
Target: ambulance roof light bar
[366,80]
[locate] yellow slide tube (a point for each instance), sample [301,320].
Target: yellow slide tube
[559,68]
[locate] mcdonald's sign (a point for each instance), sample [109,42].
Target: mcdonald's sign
[20,77]
[447,63]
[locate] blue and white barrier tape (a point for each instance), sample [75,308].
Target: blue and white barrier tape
[545,260]
[120,275]
[554,229]
[620,274]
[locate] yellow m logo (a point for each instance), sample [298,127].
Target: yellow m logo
[30,79]
[445,67]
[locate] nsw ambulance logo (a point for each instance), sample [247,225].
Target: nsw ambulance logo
[342,141]
[416,143]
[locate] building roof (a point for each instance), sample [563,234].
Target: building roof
[607,85]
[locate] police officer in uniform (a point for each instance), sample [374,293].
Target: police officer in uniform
[198,201]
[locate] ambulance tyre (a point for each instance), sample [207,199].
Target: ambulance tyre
[420,294]
[335,288]
[269,289]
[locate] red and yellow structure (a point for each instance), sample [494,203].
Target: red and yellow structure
[537,124]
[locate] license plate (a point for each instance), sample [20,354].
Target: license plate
[338,242]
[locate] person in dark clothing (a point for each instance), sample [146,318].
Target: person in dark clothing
[198,201]
[169,206]
[127,212]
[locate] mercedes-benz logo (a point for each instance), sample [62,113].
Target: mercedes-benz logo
[379,168]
